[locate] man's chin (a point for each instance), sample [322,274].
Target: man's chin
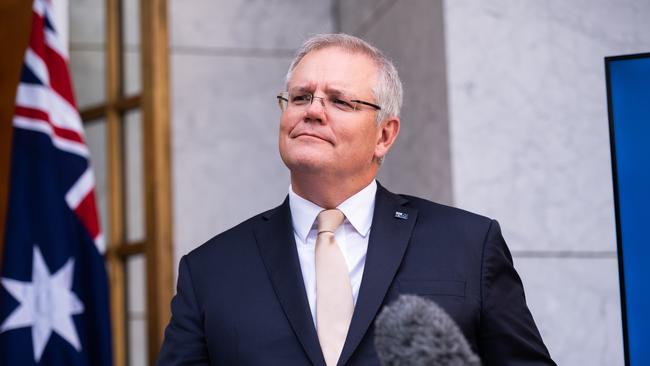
[305,164]
[306,155]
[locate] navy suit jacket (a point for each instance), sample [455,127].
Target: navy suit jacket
[241,298]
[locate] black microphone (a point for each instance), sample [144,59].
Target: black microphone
[415,331]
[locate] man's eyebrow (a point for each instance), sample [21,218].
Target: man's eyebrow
[307,88]
[334,91]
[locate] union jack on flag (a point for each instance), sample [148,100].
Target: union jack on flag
[54,307]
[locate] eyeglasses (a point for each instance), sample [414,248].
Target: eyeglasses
[299,101]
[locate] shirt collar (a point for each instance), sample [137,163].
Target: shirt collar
[358,210]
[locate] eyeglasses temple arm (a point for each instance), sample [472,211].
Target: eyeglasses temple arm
[367,103]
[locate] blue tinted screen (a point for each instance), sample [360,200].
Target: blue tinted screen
[629,82]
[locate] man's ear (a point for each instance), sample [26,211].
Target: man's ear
[386,135]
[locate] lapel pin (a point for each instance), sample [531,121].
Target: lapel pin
[401,215]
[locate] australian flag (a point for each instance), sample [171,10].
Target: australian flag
[54,307]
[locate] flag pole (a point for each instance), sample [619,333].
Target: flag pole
[15,17]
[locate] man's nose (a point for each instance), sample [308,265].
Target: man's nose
[316,110]
[321,101]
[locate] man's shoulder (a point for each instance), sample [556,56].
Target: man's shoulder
[440,212]
[464,228]
[427,205]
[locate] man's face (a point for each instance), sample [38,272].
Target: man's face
[320,138]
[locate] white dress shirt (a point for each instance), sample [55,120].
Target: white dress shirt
[351,237]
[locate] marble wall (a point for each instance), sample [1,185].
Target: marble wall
[530,147]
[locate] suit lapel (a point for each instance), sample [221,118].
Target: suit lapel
[392,225]
[275,240]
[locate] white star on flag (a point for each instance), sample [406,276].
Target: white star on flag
[46,304]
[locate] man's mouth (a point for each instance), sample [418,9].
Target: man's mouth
[307,135]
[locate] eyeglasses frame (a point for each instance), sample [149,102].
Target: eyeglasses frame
[284,96]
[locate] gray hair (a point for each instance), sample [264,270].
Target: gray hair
[388,89]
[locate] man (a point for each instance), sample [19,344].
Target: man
[301,284]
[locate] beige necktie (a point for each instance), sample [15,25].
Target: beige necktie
[333,291]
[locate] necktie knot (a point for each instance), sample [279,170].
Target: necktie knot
[329,220]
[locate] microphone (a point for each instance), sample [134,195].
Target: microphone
[416,331]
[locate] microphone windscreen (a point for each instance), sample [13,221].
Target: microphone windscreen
[416,331]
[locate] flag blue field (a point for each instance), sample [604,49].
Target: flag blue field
[54,306]
[629,108]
